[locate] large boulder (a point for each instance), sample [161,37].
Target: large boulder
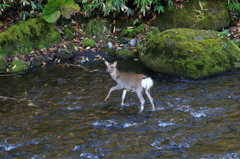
[27,36]
[190,53]
[207,15]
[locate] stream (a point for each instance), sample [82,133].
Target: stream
[66,117]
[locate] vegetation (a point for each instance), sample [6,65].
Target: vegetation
[53,9]
[98,32]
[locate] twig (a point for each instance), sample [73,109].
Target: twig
[37,96]
[6,98]
[73,65]
[13,74]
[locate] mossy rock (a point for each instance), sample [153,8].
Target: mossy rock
[155,31]
[88,42]
[237,42]
[125,53]
[132,32]
[27,36]
[18,66]
[64,54]
[109,51]
[190,53]
[139,28]
[69,33]
[214,15]
[3,64]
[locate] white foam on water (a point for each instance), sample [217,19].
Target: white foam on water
[165,124]
[107,123]
[198,114]
[126,125]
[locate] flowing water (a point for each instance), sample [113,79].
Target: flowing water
[66,117]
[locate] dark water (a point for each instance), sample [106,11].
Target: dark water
[67,118]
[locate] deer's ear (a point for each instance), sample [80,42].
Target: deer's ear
[106,63]
[115,64]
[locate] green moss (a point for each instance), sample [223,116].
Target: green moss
[88,42]
[124,33]
[18,66]
[132,32]
[3,64]
[155,31]
[237,42]
[213,16]
[69,33]
[26,36]
[109,51]
[124,53]
[139,48]
[190,53]
[64,54]
[139,28]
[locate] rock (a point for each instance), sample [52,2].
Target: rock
[3,64]
[18,66]
[110,45]
[109,51]
[27,36]
[124,53]
[88,42]
[190,53]
[68,33]
[64,54]
[212,16]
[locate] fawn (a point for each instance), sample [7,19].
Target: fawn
[130,82]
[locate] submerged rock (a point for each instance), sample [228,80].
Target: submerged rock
[18,66]
[190,53]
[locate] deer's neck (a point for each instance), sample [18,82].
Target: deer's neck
[115,74]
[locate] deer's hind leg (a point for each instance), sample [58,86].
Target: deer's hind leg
[147,91]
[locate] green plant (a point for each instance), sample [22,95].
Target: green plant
[97,28]
[3,7]
[55,8]
[24,8]
[200,12]
[225,32]
[113,7]
[234,8]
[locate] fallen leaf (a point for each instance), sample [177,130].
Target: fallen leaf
[14,66]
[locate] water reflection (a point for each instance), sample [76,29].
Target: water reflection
[68,118]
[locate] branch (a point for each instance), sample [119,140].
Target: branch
[7,98]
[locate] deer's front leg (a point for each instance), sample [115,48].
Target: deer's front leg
[117,87]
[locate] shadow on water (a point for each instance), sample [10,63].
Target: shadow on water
[67,118]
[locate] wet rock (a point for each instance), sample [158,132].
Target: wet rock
[190,53]
[64,54]
[3,64]
[18,66]
[124,53]
[110,45]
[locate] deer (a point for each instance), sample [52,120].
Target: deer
[130,82]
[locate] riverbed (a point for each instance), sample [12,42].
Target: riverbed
[66,116]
